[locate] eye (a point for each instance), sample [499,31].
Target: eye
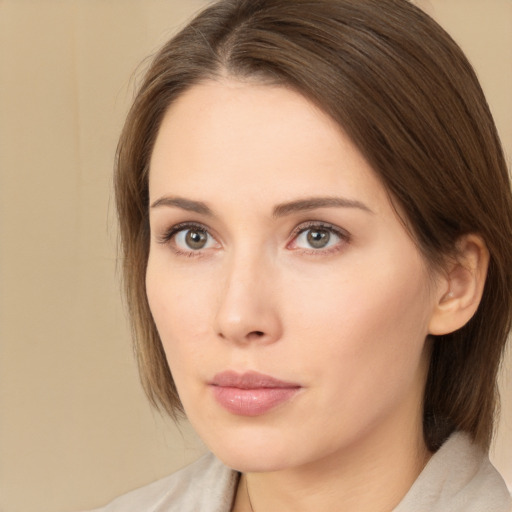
[189,238]
[318,237]
[193,238]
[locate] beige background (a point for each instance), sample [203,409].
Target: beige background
[75,429]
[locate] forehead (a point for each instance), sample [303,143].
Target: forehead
[257,139]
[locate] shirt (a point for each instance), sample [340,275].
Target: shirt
[458,478]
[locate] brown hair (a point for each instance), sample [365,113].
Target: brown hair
[405,94]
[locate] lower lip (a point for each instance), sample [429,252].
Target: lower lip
[252,402]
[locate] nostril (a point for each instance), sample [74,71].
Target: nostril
[258,334]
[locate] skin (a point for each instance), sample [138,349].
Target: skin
[347,322]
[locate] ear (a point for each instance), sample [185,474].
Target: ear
[460,288]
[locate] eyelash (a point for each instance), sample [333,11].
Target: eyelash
[344,237]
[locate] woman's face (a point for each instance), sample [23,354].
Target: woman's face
[292,304]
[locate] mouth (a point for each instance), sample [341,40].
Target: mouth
[251,393]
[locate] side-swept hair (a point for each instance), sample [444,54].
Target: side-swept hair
[405,94]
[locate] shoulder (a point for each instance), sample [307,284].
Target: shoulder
[207,485]
[458,478]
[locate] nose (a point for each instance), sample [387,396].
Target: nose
[248,304]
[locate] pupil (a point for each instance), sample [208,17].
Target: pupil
[196,239]
[318,238]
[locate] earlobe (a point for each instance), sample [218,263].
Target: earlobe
[461,287]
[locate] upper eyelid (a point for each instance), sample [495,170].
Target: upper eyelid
[168,233]
[304,226]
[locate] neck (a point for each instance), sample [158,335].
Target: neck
[372,476]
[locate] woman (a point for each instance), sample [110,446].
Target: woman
[316,225]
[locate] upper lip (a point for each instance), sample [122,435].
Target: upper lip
[249,380]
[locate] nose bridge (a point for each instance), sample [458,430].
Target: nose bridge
[248,309]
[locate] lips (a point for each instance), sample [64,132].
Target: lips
[251,393]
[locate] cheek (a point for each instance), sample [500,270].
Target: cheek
[366,332]
[360,299]
[178,312]
[180,303]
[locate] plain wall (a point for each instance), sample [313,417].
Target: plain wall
[75,428]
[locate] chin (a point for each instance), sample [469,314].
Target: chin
[250,450]
[253,461]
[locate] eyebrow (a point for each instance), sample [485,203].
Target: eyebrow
[312,203]
[184,204]
[281,210]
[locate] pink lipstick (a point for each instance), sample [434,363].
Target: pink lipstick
[251,393]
